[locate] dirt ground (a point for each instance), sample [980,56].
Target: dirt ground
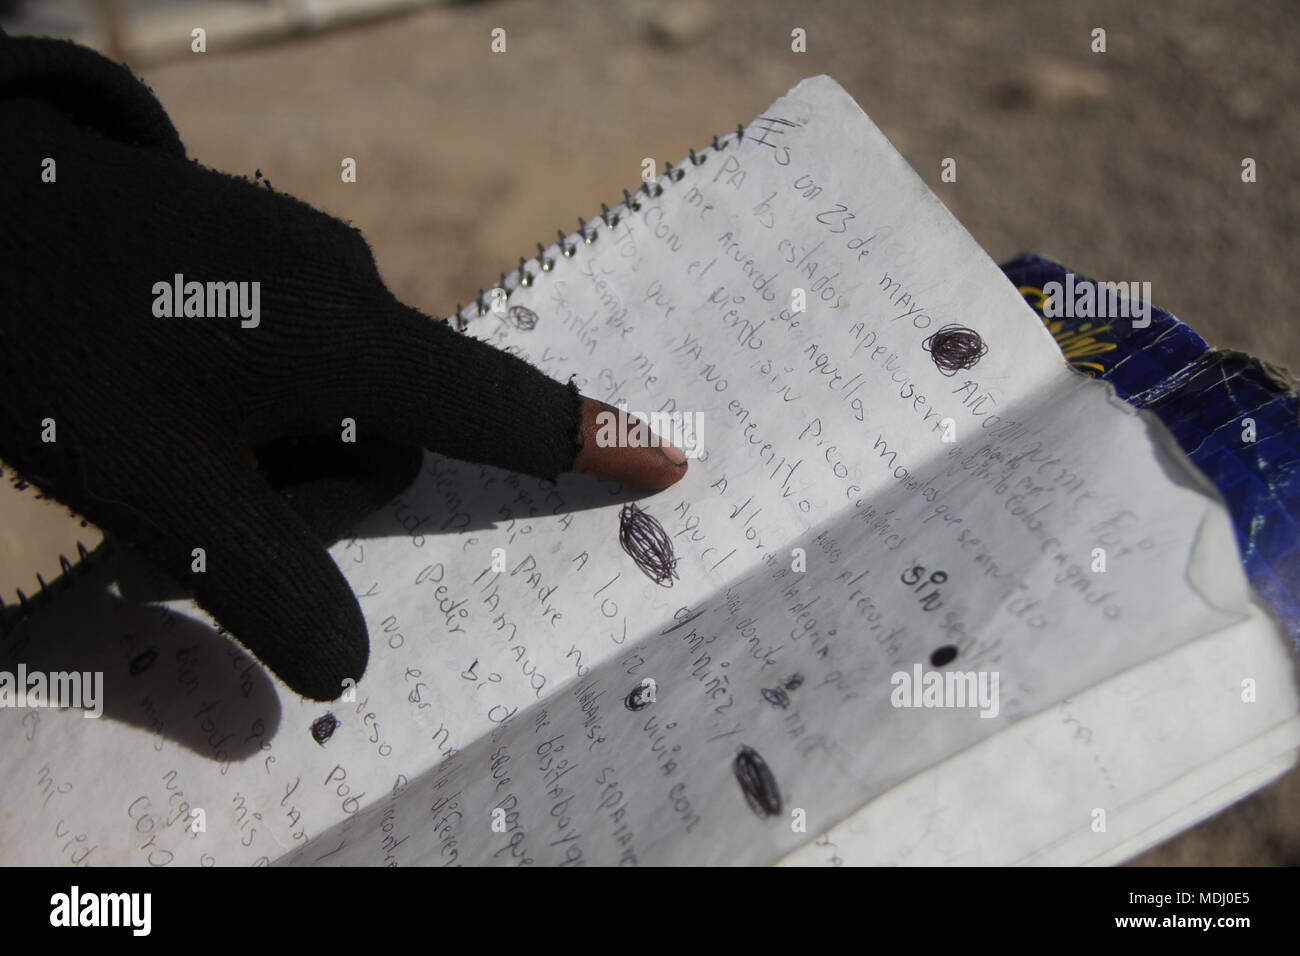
[1125,165]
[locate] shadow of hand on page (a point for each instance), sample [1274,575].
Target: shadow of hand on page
[179,679]
[174,677]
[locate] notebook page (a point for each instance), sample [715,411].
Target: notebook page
[827,640]
[508,620]
[1154,749]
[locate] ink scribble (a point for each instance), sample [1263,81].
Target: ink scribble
[756,782]
[777,697]
[525,320]
[646,542]
[142,661]
[322,728]
[955,348]
[943,655]
[642,695]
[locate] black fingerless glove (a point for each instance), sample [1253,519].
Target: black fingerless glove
[153,415]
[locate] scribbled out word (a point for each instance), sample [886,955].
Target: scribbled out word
[322,728]
[757,782]
[142,661]
[943,655]
[955,348]
[777,697]
[642,695]
[525,320]
[646,542]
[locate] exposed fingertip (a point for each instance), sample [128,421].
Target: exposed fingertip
[606,452]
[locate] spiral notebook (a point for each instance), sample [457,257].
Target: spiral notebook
[927,595]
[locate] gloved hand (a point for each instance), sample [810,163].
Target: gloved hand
[152,416]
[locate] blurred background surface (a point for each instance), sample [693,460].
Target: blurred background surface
[1123,165]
